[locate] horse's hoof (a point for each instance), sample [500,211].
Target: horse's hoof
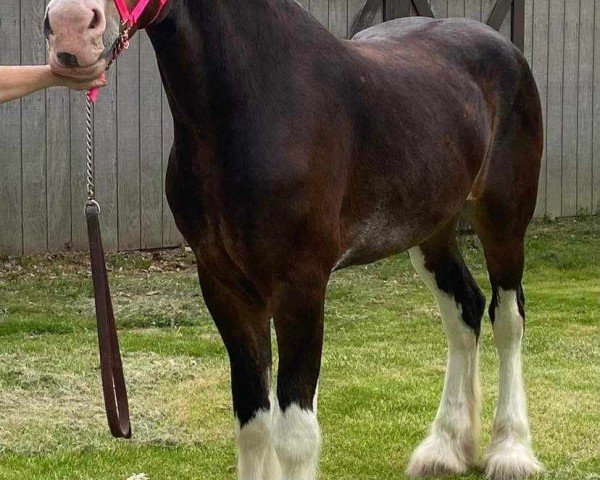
[436,457]
[511,460]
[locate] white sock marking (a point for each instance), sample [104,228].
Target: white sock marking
[256,455]
[509,455]
[452,442]
[297,439]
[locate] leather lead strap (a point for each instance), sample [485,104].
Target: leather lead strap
[113,381]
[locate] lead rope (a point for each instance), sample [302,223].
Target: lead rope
[111,367]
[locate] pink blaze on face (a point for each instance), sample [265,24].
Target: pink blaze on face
[79,34]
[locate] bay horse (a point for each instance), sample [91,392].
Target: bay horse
[297,154]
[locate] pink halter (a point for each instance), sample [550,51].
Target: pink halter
[129,19]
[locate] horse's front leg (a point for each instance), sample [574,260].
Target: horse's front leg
[245,328]
[299,325]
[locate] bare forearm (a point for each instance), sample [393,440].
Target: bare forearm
[16,82]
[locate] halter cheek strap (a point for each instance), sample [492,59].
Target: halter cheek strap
[132,17]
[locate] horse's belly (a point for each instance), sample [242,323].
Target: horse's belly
[379,235]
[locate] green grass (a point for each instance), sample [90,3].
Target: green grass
[382,370]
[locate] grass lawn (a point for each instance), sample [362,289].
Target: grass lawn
[382,374]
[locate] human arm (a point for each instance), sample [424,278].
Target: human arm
[19,81]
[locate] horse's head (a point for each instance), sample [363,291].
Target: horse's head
[82,33]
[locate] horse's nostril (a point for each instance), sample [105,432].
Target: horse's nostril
[67,59]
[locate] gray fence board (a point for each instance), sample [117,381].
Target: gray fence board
[456,8]
[151,193]
[105,152]
[320,10]
[338,18]
[78,168]
[528,50]
[585,113]
[42,182]
[569,120]
[11,219]
[33,128]
[540,70]
[596,101]
[59,169]
[128,148]
[554,126]
[473,9]
[440,8]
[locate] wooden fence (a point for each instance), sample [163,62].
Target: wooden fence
[42,152]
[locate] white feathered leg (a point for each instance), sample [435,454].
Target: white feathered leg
[510,457]
[451,445]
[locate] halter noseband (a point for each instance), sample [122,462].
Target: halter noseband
[129,21]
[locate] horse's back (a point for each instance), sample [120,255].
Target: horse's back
[457,42]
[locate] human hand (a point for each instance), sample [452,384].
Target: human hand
[80,85]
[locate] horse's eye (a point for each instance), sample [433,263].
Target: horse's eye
[47,28]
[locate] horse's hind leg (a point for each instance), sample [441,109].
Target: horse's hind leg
[501,209]
[451,446]
[509,457]
[244,325]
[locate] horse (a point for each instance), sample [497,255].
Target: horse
[297,154]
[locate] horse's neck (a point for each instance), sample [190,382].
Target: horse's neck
[217,55]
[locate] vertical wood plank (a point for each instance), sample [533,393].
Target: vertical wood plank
[338,18]
[150,147]
[506,26]
[33,131]
[596,130]
[354,10]
[456,8]
[128,147]
[518,23]
[422,8]
[440,8]
[505,29]
[58,179]
[486,9]
[555,108]
[473,9]
[372,17]
[105,153]
[171,235]
[529,30]
[320,10]
[397,9]
[78,169]
[11,221]
[540,71]
[585,118]
[569,120]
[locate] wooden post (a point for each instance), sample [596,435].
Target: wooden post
[396,9]
[517,33]
[423,8]
[499,13]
